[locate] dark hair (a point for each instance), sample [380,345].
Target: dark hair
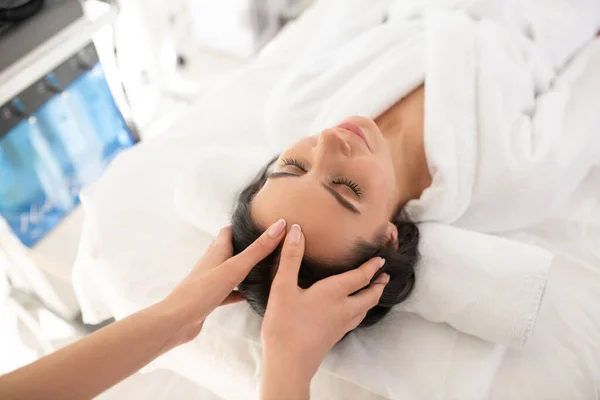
[400,264]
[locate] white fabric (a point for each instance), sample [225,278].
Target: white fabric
[136,248]
[529,135]
[206,190]
[482,285]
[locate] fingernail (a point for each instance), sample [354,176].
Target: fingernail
[294,234]
[276,229]
[381,262]
[383,278]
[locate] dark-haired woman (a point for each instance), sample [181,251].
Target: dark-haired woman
[477,114]
[346,187]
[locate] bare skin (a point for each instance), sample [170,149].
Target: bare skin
[403,125]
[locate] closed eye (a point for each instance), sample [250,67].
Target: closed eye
[338,197]
[294,162]
[345,181]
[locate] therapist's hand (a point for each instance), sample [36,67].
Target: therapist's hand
[214,278]
[302,325]
[89,366]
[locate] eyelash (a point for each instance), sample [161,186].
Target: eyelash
[295,163]
[345,181]
[336,181]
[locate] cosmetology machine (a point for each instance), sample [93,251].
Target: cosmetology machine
[59,129]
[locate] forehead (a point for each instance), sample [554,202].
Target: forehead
[331,232]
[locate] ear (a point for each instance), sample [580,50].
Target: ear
[391,233]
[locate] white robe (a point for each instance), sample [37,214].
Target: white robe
[506,142]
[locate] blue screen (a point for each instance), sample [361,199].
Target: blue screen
[64,146]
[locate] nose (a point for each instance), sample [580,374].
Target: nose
[332,141]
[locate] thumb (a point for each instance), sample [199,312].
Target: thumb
[236,268]
[291,258]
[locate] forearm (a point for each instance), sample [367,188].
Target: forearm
[97,362]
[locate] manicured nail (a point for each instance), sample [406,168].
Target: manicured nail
[294,234]
[383,279]
[381,262]
[276,229]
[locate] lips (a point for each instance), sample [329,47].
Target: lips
[349,126]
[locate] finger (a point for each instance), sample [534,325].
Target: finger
[368,298]
[356,279]
[233,297]
[238,266]
[291,257]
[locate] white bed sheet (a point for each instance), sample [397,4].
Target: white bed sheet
[129,240]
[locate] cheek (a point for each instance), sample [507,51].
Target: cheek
[382,187]
[379,178]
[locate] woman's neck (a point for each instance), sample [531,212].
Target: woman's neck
[402,126]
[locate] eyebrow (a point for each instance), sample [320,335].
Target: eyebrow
[338,197]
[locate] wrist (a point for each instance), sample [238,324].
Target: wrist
[183,325]
[290,366]
[172,311]
[304,358]
[286,375]
[279,382]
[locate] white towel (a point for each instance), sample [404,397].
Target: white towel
[483,285]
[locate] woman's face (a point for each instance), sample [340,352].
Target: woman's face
[339,186]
